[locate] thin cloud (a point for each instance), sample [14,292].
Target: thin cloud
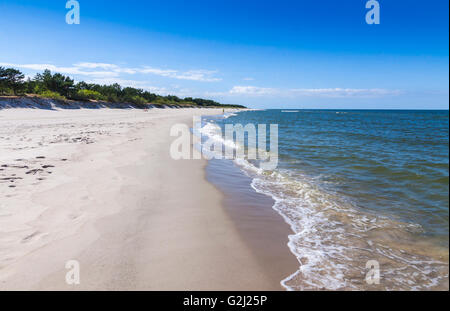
[345,92]
[319,92]
[112,70]
[97,65]
[194,75]
[74,70]
[252,90]
[198,75]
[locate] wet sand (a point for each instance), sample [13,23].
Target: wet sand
[262,229]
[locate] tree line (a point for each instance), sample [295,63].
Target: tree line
[60,87]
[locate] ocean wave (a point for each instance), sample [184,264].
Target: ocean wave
[214,132]
[230,114]
[333,239]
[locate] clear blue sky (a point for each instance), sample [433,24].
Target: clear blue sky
[286,54]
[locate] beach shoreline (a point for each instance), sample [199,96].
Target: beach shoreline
[103,190]
[334,233]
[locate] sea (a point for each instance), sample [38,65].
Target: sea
[365,193]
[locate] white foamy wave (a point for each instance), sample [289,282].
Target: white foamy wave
[210,129]
[307,244]
[227,115]
[214,132]
[333,239]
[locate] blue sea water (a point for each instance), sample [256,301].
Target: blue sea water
[356,186]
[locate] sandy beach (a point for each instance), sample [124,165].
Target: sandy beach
[99,186]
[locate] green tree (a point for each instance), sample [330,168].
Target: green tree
[88,94]
[3,83]
[56,83]
[11,78]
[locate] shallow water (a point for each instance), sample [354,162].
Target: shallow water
[357,186]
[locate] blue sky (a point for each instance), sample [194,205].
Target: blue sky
[263,54]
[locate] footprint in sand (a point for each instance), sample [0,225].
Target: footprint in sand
[29,237]
[34,171]
[11,179]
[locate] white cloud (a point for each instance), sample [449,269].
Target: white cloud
[345,92]
[112,70]
[74,70]
[198,75]
[159,72]
[319,92]
[194,75]
[97,65]
[252,90]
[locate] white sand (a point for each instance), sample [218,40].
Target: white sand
[134,218]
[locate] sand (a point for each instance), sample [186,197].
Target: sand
[99,186]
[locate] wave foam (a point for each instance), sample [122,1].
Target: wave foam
[333,240]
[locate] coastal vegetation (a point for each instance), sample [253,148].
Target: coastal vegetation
[63,88]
